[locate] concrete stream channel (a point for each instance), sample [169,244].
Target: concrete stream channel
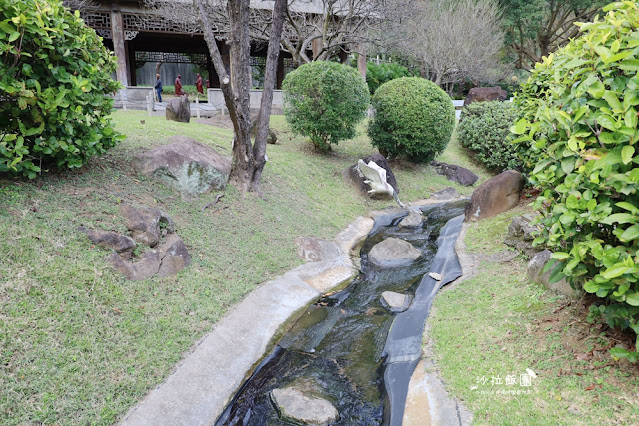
[350,349]
[339,343]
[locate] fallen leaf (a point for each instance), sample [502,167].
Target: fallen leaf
[591,387]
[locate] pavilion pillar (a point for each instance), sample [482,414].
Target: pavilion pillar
[117,32]
[361,60]
[280,71]
[316,45]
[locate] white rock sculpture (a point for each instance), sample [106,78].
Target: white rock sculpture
[376,179]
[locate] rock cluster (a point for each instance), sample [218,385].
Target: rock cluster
[167,254]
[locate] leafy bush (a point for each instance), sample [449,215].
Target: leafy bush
[484,128]
[54,75]
[585,131]
[413,118]
[191,91]
[325,101]
[378,74]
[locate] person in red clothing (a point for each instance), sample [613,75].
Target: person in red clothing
[178,86]
[198,84]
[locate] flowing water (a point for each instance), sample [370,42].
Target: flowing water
[340,349]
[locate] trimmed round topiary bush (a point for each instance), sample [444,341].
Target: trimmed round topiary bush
[378,74]
[414,118]
[325,101]
[54,75]
[484,128]
[584,133]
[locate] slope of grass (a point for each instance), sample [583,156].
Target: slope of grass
[78,343]
[498,324]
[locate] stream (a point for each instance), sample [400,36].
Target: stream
[347,348]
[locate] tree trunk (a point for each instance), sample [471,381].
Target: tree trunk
[240,49]
[270,80]
[248,160]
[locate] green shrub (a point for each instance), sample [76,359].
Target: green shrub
[325,101]
[54,75]
[585,130]
[378,74]
[484,128]
[191,91]
[413,118]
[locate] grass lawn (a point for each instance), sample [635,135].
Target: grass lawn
[498,324]
[78,343]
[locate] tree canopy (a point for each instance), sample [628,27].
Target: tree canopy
[534,28]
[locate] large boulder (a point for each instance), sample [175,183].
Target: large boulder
[484,94]
[495,196]
[455,173]
[393,252]
[179,109]
[537,275]
[147,224]
[293,405]
[353,175]
[191,167]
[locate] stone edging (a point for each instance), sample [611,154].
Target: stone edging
[205,380]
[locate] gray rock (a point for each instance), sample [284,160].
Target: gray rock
[186,164]
[521,227]
[174,256]
[455,173]
[521,235]
[413,220]
[179,109]
[272,136]
[396,302]
[143,269]
[111,240]
[485,94]
[536,274]
[393,252]
[352,174]
[445,194]
[495,196]
[293,405]
[146,224]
